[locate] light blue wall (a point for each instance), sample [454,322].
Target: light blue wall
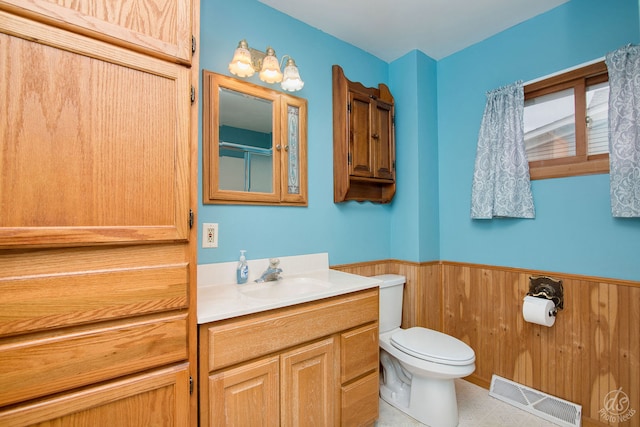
[573,231]
[349,232]
[415,215]
[439,106]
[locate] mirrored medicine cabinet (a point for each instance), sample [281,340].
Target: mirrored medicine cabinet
[254,144]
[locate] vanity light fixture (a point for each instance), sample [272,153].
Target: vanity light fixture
[246,61]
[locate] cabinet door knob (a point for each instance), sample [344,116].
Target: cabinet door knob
[376,136]
[286,147]
[278,147]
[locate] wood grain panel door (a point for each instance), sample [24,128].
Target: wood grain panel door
[308,385]
[95,141]
[245,396]
[383,141]
[360,123]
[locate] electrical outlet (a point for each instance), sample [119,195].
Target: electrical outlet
[209,235]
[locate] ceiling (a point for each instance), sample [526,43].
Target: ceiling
[389,29]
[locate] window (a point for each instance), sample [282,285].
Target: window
[566,123]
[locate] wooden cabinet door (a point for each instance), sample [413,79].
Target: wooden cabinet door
[95,141]
[158,27]
[308,385]
[155,398]
[360,123]
[245,396]
[382,139]
[371,145]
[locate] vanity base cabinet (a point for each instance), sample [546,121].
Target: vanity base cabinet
[312,364]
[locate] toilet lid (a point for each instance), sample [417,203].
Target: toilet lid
[427,344]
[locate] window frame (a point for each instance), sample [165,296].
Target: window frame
[582,163]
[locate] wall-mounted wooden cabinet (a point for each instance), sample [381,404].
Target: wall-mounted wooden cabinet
[254,144]
[363,141]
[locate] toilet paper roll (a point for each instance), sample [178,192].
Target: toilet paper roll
[538,310]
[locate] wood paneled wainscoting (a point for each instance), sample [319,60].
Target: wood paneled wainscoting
[592,349]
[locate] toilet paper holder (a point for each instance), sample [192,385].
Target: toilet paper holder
[547,288]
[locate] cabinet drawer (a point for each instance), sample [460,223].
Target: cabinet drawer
[360,401]
[236,340]
[359,352]
[154,398]
[53,300]
[41,364]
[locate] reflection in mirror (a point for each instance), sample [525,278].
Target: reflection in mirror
[246,140]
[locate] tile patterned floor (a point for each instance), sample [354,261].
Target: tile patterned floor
[475,409]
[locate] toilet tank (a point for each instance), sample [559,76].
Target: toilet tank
[391,301]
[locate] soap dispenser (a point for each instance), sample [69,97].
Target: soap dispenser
[242,272]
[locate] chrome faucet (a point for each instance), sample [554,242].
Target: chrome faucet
[272,273]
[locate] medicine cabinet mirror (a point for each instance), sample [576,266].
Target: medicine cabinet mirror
[254,144]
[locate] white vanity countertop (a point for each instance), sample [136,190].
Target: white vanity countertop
[218,301]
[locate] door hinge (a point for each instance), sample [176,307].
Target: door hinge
[190,218]
[193,94]
[393,120]
[348,107]
[349,158]
[190,384]
[394,165]
[193,44]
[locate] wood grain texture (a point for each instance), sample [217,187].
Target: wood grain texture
[248,395]
[33,303]
[155,398]
[592,349]
[307,385]
[40,364]
[360,402]
[237,340]
[160,27]
[98,148]
[358,352]
[363,141]
[69,177]
[321,357]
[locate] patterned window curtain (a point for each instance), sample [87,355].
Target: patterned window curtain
[624,130]
[501,184]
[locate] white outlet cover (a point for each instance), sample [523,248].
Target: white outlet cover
[209,235]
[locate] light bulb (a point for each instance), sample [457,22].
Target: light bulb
[241,65]
[291,80]
[270,72]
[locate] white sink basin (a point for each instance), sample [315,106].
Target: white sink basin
[283,288]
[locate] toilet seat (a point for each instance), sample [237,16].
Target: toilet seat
[433,346]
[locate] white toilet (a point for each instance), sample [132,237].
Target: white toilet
[419,364]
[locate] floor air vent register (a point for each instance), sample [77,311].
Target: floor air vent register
[543,405]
